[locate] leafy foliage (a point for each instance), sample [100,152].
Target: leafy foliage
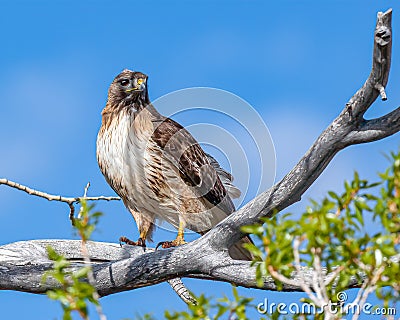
[73,293]
[87,220]
[332,235]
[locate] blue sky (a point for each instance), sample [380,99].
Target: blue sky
[296,62]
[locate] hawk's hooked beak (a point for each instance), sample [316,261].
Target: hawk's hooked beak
[140,86]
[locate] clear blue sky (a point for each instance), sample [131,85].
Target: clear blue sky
[297,63]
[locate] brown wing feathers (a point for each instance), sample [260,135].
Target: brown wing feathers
[193,164]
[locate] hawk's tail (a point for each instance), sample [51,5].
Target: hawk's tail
[237,251]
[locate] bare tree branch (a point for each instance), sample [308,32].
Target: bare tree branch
[181,290]
[376,129]
[119,269]
[51,197]
[342,132]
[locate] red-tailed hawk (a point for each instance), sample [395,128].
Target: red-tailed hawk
[157,167]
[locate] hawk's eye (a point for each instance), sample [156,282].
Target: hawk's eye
[124,82]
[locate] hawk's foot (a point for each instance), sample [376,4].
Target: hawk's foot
[140,243]
[169,244]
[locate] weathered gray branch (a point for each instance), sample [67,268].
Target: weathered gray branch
[348,128]
[118,269]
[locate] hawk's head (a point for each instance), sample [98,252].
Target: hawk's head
[127,88]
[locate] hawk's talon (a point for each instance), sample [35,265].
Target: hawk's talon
[140,243]
[162,244]
[170,244]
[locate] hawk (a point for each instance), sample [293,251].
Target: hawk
[158,169]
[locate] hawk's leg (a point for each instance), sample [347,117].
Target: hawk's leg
[177,242]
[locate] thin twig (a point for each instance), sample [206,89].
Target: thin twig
[316,286]
[320,274]
[282,278]
[368,289]
[332,276]
[84,196]
[52,197]
[303,283]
